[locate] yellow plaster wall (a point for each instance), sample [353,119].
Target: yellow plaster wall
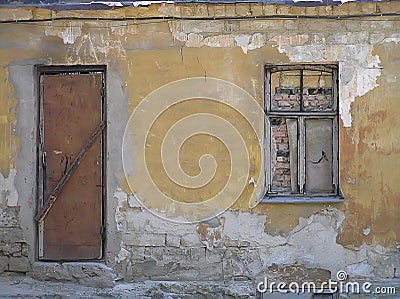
[148,55]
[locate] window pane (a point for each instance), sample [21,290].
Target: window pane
[284,155]
[317,91]
[285,91]
[319,147]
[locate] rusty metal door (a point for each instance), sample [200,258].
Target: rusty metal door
[71,159]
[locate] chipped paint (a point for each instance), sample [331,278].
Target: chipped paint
[8,191]
[246,42]
[312,242]
[69,35]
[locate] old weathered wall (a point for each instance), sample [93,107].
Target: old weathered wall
[360,236]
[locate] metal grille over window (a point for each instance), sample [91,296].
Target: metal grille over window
[302,136]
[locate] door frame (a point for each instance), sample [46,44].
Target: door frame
[60,70]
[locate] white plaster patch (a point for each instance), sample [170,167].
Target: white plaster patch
[366,231]
[394,38]
[362,269]
[122,199]
[109,45]
[123,254]
[8,192]
[69,35]
[246,42]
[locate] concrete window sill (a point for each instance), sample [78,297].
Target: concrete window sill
[302,199]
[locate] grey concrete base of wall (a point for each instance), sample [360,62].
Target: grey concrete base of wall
[90,274]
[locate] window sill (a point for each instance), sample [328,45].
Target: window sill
[303,199]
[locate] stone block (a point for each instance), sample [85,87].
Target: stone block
[144,239]
[256,9]
[232,265]
[91,274]
[201,10]
[283,10]
[187,10]
[203,26]
[173,240]
[24,249]
[11,235]
[19,264]
[9,216]
[11,249]
[190,240]
[243,9]
[3,263]
[198,254]
[376,38]
[137,253]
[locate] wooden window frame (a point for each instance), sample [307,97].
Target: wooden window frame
[301,116]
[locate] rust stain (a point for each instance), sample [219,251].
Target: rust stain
[369,162]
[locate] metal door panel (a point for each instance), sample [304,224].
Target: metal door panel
[72,109]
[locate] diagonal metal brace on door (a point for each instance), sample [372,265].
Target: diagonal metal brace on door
[67,175]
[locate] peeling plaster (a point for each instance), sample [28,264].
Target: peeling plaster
[394,38]
[9,193]
[209,235]
[69,35]
[311,243]
[122,255]
[246,42]
[359,69]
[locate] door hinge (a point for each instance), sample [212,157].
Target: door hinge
[44,158]
[103,233]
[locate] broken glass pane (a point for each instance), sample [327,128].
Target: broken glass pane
[317,91]
[319,147]
[285,91]
[284,155]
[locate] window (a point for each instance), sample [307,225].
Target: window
[301,133]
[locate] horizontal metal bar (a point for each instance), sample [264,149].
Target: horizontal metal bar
[329,68]
[329,114]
